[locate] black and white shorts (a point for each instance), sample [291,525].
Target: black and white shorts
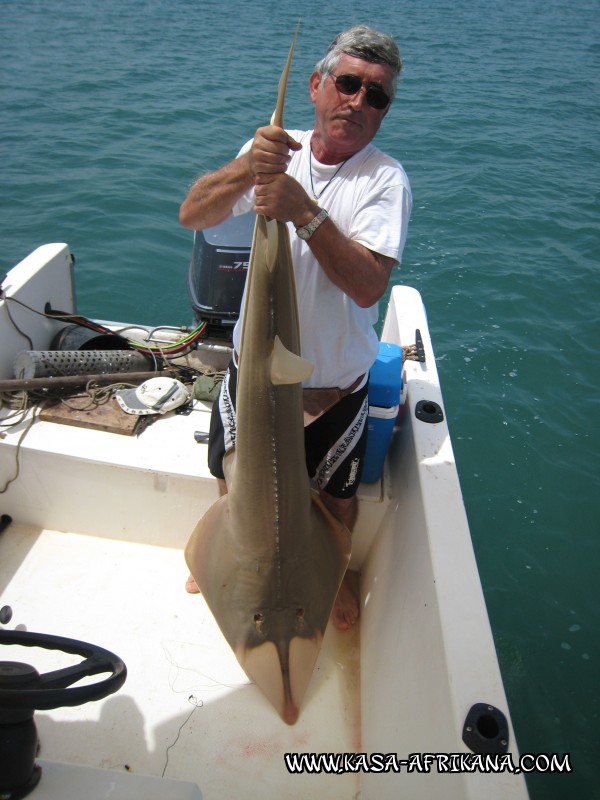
[335,442]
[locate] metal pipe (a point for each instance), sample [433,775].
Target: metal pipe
[66,381]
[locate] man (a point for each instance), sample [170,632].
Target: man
[347,207]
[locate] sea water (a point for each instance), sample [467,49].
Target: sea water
[108,111]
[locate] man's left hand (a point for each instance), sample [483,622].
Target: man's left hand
[279,196]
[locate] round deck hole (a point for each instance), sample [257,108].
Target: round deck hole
[429,411]
[487,726]
[485,729]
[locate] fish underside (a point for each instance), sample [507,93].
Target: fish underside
[268,556]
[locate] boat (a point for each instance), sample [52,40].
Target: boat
[97,507]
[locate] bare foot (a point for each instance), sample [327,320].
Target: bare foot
[345,609]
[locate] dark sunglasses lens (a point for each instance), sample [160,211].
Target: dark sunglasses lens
[351,84]
[377,98]
[348,84]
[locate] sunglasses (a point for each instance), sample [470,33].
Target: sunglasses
[352,84]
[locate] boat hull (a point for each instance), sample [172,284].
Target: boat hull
[95,552]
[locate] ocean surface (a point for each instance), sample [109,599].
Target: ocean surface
[109,110]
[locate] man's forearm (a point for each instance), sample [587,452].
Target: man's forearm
[359,272]
[212,197]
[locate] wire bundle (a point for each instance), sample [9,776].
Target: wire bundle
[164,349]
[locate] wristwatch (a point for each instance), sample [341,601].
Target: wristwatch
[306,231]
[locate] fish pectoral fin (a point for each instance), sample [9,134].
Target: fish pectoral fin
[331,547]
[208,550]
[338,533]
[287,367]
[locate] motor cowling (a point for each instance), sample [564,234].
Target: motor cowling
[218,269]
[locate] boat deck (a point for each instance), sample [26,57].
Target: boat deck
[187,710]
[95,553]
[151,488]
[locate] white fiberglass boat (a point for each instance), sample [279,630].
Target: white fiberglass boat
[96,514]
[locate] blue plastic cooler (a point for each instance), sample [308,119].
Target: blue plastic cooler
[385,386]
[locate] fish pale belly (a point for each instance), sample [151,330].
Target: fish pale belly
[272,608]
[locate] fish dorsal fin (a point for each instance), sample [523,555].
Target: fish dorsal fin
[287,367]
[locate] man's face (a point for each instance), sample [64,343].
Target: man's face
[344,124]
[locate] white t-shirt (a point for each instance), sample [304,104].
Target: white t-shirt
[369,199]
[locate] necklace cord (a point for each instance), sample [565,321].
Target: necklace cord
[312,186]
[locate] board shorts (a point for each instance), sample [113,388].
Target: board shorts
[335,443]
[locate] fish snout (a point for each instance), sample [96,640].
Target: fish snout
[281,656]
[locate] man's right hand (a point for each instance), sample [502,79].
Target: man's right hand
[211,198]
[270,150]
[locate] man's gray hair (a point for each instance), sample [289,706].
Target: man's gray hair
[366,43]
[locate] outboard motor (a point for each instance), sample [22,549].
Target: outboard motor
[217,273]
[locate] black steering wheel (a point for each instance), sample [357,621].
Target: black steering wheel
[22,687]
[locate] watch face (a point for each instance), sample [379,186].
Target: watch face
[307,231]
